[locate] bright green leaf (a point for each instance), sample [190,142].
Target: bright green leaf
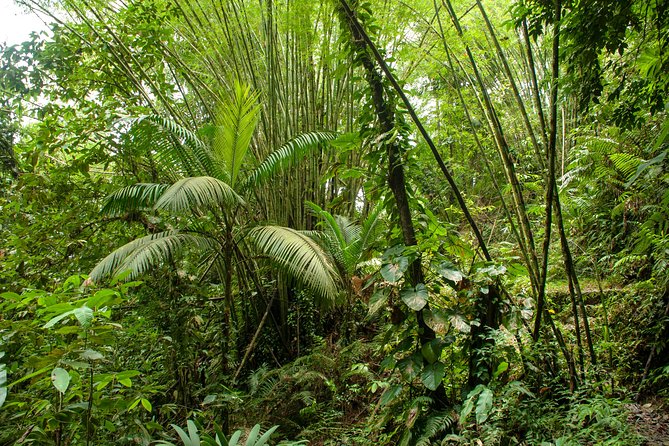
[483,406]
[58,318]
[60,379]
[84,315]
[415,298]
[147,405]
[392,272]
[432,375]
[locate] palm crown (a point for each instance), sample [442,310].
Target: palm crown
[207,193]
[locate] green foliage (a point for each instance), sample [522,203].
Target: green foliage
[63,371]
[194,438]
[300,256]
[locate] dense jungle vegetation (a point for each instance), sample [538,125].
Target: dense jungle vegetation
[336,222]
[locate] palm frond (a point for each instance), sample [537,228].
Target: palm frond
[287,155]
[349,230]
[176,148]
[142,254]
[235,123]
[138,197]
[300,256]
[197,193]
[355,250]
[328,220]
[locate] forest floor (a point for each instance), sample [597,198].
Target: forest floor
[651,421]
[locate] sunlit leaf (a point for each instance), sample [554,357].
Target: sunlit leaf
[437,320]
[60,379]
[415,298]
[84,315]
[392,272]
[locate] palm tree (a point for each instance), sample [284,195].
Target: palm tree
[209,196]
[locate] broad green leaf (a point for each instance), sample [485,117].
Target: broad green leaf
[501,368]
[251,439]
[235,438]
[188,440]
[101,298]
[415,298]
[437,320]
[468,406]
[126,382]
[91,355]
[432,350]
[208,399]
[58,318]
[103,381]
[432,375]
[483,406]
[60,379]
[450,272]
[84,315]
[492,270]
[392,272]
[264,438]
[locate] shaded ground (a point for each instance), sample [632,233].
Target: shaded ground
[650,420]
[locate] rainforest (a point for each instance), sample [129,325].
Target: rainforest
[335,222]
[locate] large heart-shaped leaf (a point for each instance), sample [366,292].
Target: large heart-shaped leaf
[415,298]
[450,272]
[432,375]
[437,320]
[393,271]
[60,379]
